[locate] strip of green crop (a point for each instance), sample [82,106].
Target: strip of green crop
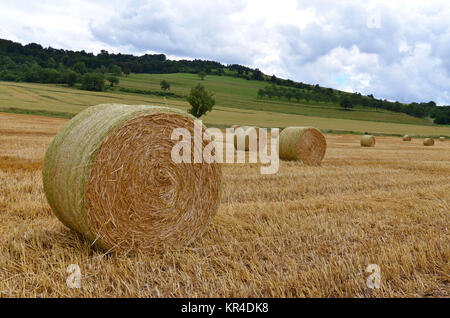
[37,112]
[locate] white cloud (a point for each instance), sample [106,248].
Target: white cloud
[54,23]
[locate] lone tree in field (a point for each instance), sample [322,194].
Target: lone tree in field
[113,80]
[127,71]
[201,101]
[347,103]
[93,82]
[202,75]
[165,85]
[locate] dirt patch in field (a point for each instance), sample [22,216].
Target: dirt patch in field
[24,133]
[12,163]
[20,124]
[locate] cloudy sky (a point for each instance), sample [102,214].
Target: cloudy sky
[398,50]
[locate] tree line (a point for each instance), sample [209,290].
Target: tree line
[298,94]
[33,63]
[308,93]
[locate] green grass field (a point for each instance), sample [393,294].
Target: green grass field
[240,93]
[236,104]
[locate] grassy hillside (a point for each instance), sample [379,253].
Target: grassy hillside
[241,93]
[65,102]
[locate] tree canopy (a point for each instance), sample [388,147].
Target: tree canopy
[165,85]
[113,80]
[202,75]
[346,103]
[201,101]
[93,82]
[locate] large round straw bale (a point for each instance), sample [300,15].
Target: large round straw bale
[109,175]
[428,142]
[368,141]
[441,138]
[406,138]
[306,144]
[245,132]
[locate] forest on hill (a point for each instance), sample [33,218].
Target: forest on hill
[34,63]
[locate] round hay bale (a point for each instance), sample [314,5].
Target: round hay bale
[428,142]
[306,144]
[441,138]
[109,175]
[245,132]
[368,141]
[406,138]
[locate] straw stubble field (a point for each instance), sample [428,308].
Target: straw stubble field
[305,231]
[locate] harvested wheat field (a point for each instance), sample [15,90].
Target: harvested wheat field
[305,231]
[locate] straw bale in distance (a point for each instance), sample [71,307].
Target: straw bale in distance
[428,142]
[441,138]
[306,144]
[406,138]
[108,175]
[368,141]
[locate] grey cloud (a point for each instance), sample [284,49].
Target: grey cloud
[188,29]
[409,75]
[405,58]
